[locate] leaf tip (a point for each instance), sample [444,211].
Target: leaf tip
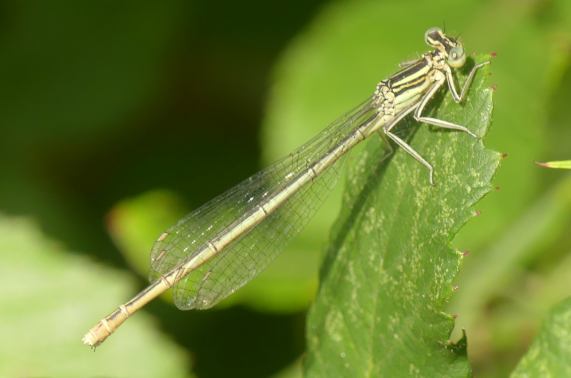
[555,164]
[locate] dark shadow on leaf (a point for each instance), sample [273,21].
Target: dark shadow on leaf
[375,176]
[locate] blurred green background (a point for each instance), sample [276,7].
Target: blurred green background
[119,117]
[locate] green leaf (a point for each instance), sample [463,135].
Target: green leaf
[48,300]
[330,68]
[549,354]
[350,46]
[389,270]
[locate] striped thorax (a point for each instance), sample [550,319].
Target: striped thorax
[407,86]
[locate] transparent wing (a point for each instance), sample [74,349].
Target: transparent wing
[242,260]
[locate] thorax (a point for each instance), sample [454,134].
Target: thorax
[405,88]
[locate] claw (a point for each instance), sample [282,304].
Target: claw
[430,177]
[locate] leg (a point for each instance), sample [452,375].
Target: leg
[412,153]
[434,121]
[380,128]
[386,132]
[383,137]
[450,79]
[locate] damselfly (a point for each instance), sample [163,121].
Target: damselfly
[225,243]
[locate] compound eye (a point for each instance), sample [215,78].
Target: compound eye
[456,57]
[432,36]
